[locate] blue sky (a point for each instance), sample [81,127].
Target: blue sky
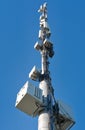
[19,25]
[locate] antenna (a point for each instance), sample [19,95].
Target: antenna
[40,101]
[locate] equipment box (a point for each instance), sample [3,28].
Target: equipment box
[29,98]
[64,117]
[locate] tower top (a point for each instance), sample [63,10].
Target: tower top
[43,8]
[44,32]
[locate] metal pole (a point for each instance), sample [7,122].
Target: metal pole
[45,116]
[44,120]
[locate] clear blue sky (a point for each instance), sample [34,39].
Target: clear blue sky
[19,25]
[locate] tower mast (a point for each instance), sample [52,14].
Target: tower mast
[40,101]
[45,119]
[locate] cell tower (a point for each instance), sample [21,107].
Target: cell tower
[40,101]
